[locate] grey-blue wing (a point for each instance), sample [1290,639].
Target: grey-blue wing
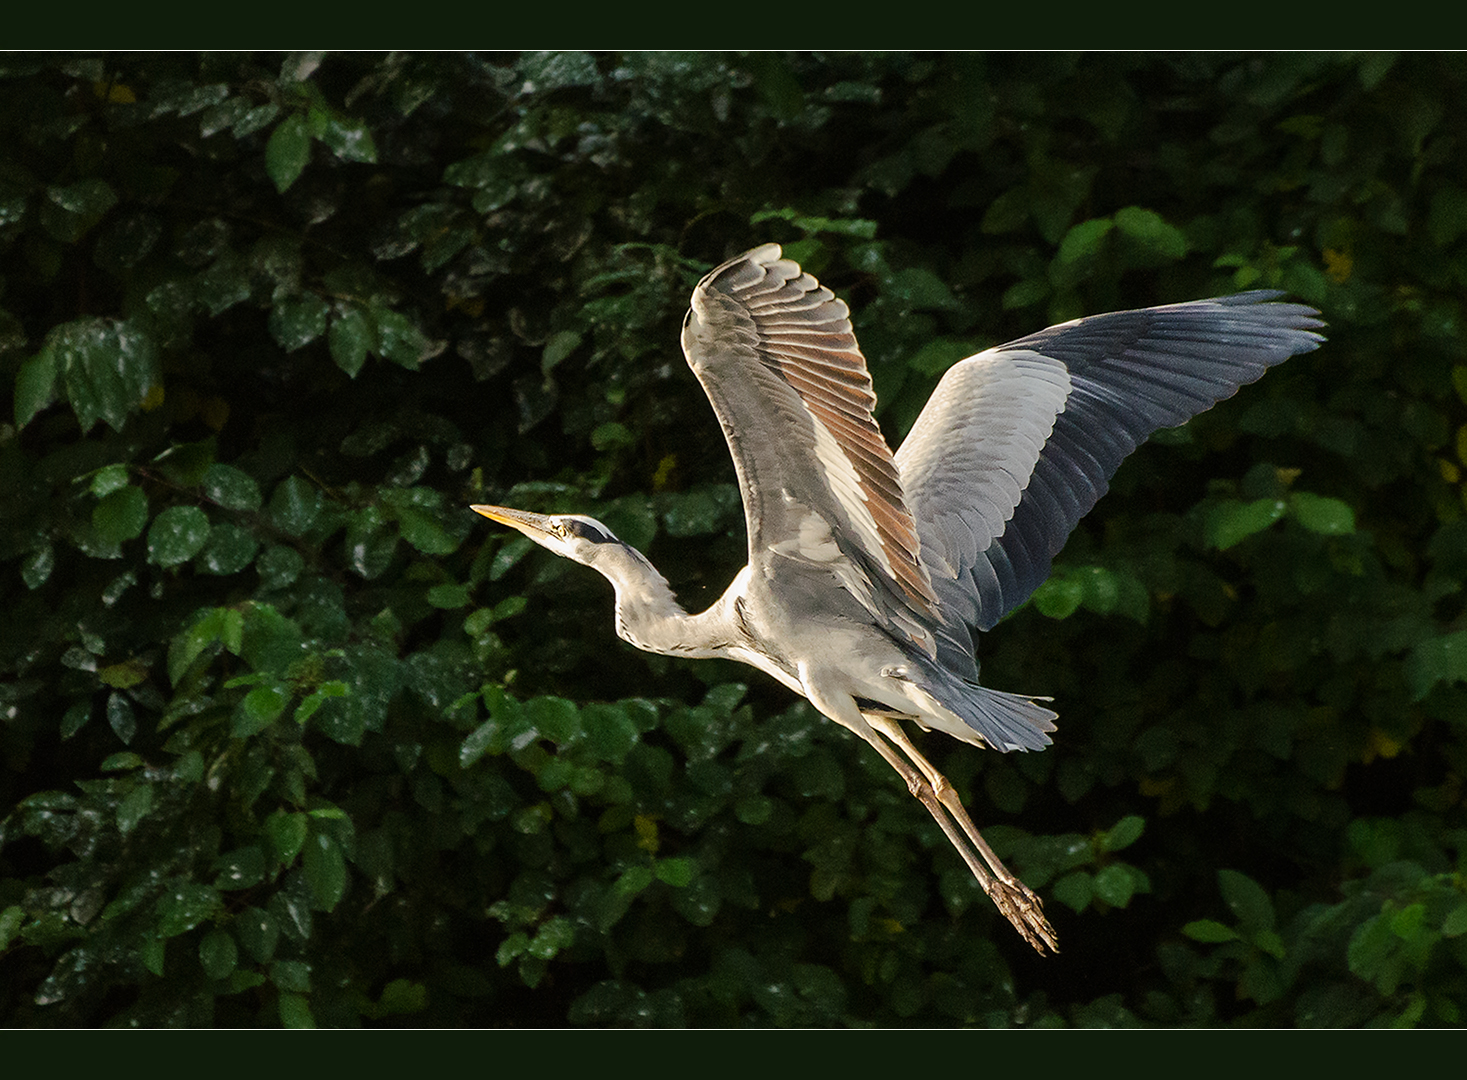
[1019,441]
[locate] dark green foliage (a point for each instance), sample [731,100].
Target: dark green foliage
[290,737]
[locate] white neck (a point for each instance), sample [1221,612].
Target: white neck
[649,616]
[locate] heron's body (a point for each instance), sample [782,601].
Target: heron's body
[869,572]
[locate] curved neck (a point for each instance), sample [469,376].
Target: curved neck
[648,614]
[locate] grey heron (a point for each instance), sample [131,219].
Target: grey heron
[869,572]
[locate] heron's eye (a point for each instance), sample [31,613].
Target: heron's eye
[559,529]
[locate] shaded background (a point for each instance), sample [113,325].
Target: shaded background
[290,737]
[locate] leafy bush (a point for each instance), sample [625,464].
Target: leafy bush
[291,738]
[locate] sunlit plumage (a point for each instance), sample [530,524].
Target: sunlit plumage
[869,572]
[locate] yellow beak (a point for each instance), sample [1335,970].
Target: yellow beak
[535,526]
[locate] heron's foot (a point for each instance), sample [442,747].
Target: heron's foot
[1025,910]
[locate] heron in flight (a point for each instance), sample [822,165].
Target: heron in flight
[869,572]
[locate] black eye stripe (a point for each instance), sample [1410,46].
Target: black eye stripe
[585,531]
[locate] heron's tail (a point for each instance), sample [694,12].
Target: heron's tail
[994,718]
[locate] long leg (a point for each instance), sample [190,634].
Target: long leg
[1019,904]
[1012,898]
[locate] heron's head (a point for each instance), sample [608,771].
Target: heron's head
[574,536]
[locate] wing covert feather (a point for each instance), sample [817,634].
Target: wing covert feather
[776,354]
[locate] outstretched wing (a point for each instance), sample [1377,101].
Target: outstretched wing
[776,355]
[1018,442]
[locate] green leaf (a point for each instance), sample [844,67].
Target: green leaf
[295,505]
[121,516]
[1231,522]
[1075,890]
[1437,659]
[231,488]
[184,905]
[292,975]
[351,338]
[1059,597]
[918,289]
[287,151]
[258,933]
[295,1011]
[121,718]
[1247,900]
[555,718]
[134,807]
[424,519]
[229,550]
[325,868]
[612,436]
[1123,833]
[1454,925]
[1149,230]
[223,625]
[177,535]
[36,568]
[676,872]
[35,386]
[560,346]
[108,479]
[401,997]
[1115,884]
[1319,514]
[260,708]
[371,541]
[287,833]
[10,921]
[1025,293]
[107,368]
[1084,240]
[349,139]
[318,697]
[938,355]
[218,954]
[1209,932]
[70,211]
[610,732]
[75,719]
[449,596]
[399,340]
[240,869]
[279,567]
[1370,947]
[297,321]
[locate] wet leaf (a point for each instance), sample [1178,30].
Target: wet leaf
[295,505]
[287,151]
[177,535]
[218,954]
[184,905]
[134,807]
[231,488]
[228,551]
[121,718]
[107,369]
[287,834]
[297,321]
[35,386]
[1247,900]
[325,868]
[351,339]
[36,569]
